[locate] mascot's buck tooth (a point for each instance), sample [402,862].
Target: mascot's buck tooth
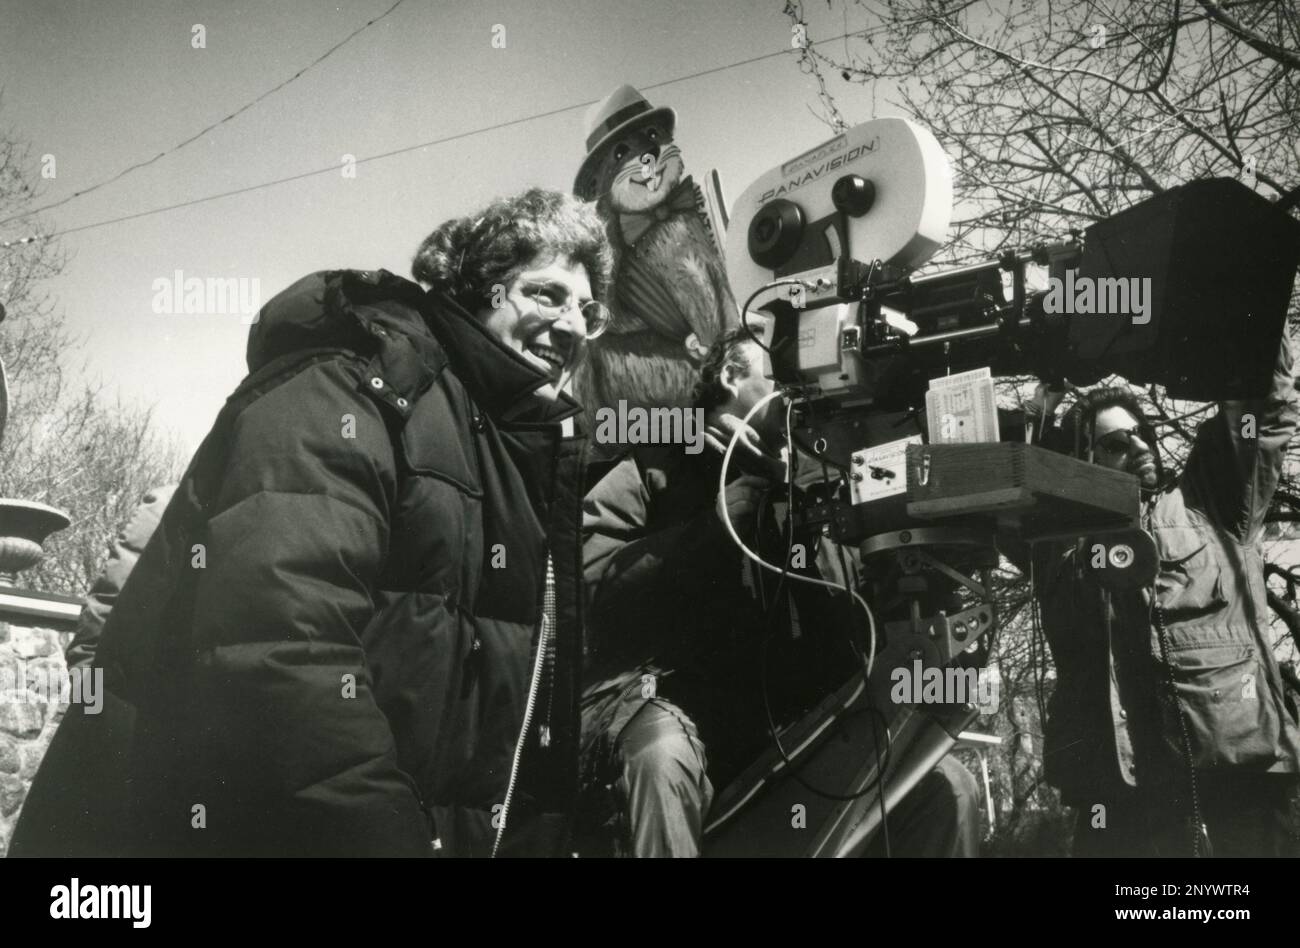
[670,297]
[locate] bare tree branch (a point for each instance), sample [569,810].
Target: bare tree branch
[1286,57]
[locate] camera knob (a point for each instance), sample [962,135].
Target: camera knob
[853,195]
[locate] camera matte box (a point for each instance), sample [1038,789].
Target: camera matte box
[1222,262]
[1032,492]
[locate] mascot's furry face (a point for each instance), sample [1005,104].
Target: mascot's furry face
[669,290]
[639,170]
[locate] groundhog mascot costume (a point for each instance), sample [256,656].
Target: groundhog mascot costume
[670,296]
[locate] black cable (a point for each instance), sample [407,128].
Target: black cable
[884,821]
[1197,824]
[839,550]
[1200,836]
[749,330]
[875,740]
[1037,647]
[881,762]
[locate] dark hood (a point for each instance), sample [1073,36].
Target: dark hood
[335,308]
[349,308]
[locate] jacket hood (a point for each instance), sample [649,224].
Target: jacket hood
[335,308]
[350,308]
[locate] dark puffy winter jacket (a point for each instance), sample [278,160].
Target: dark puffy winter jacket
[329,642]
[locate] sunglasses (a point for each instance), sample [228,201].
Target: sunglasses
[1118,442]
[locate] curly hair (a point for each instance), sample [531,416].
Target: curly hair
[466,257]
[1077,426]
[727,350]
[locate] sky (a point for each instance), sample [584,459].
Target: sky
[103,84]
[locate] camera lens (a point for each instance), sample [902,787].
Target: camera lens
[775,233]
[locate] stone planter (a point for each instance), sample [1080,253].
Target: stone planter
[24,526]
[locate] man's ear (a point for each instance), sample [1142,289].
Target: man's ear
[730,379]
[694,348]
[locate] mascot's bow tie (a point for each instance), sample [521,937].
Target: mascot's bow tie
[680,200]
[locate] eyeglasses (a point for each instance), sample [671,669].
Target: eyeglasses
[553,300]
[1118,442]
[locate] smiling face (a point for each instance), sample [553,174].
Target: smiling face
[639,169]
[539,318]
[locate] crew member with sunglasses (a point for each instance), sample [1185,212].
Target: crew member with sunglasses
[1170,728]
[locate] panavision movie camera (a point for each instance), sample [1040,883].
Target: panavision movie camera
[864,346]
[854,218]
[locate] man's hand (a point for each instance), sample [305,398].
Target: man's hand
[740,498]
[1040,411]
[751,454]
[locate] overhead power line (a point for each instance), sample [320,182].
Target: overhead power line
[334,168]
[217,124]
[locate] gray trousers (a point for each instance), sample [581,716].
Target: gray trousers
[665,793]
[662,781]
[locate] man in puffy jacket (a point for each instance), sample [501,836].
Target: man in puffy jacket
[342,639]
[1170,728]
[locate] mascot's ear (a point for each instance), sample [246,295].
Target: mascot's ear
[694,348]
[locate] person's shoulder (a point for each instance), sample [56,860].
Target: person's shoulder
[362,287]
[144,519]
[358,310]
[668,461]
[1169,507]
[654,466]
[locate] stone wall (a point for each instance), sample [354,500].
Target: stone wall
[31,658]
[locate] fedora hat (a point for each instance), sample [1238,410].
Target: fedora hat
[621,110]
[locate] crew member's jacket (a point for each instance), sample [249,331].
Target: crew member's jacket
[123,553]
[329,642]
[670,596]
[1112,721]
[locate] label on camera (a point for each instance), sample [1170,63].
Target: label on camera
[880,471]
[961,409]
